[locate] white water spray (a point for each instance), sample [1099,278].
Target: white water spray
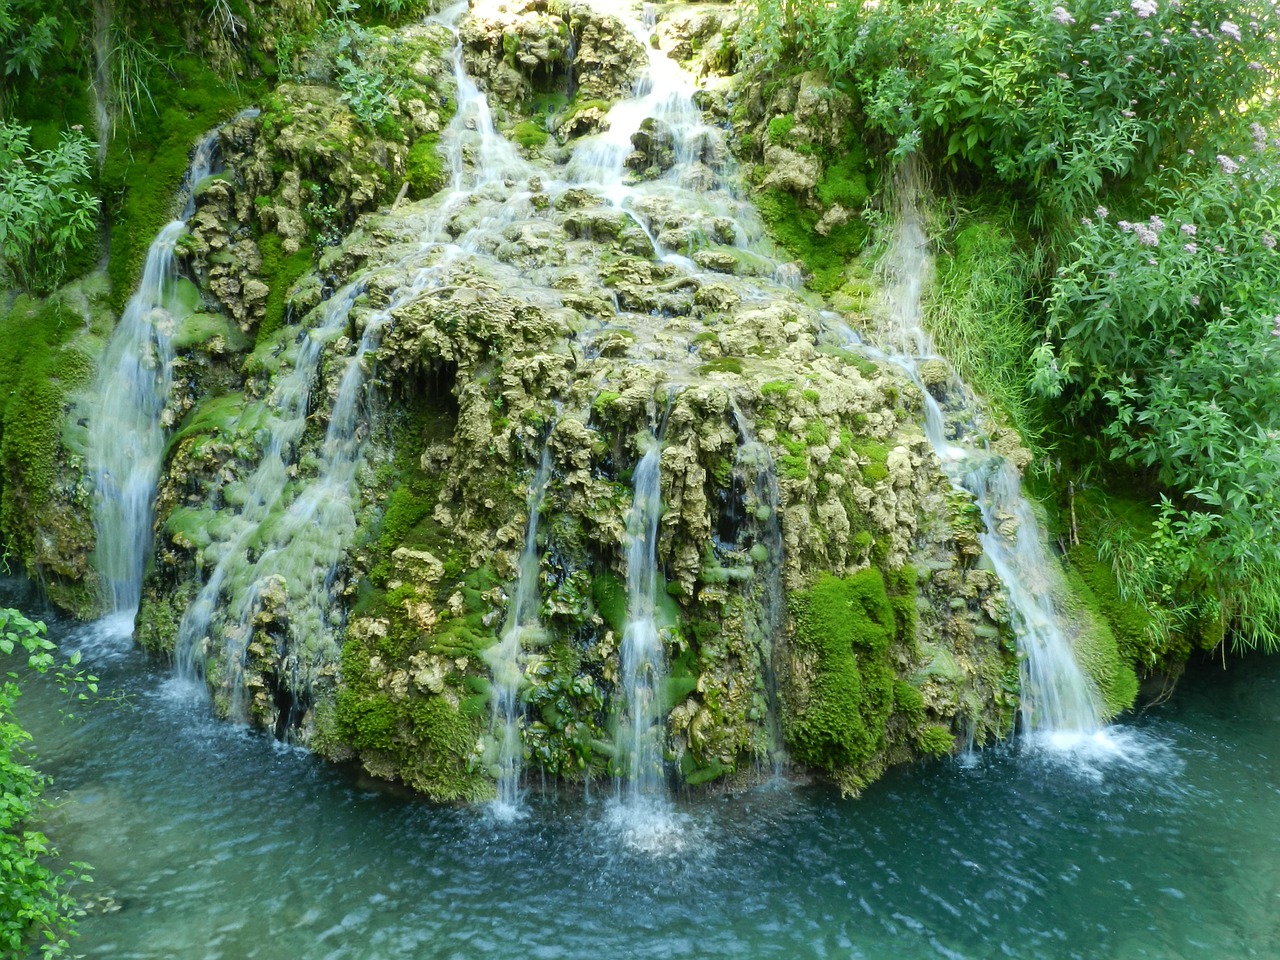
[644,668]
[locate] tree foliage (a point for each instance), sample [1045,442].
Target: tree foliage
[1061,102]
[1166,334]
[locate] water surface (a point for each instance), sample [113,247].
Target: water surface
[219,843]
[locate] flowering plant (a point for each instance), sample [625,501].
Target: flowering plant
[1166,332]
[1062,100]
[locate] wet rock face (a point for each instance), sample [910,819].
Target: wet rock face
[516,50]
[655,152]
[700,36]
[536,312]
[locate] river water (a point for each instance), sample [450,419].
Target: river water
[219,843]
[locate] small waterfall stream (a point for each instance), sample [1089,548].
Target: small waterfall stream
[522,629]
[287,541]
[644,668]
[697,194]
[285,422]
[126,432]
[755,469]
[1058,699]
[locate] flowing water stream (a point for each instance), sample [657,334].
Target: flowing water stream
[1171,857]
[1059,706]
[644,667]
[521,632]
[126,435]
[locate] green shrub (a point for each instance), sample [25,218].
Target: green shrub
[36,907]
[46,212]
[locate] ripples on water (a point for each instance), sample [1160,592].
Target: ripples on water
[1155,839]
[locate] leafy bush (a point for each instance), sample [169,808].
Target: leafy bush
[28,32]
[1168,335]
[1063,101]
[45,213]
[35,906]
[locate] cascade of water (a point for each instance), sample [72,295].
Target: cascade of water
[126,433]
[478,154]
[301,550]
[1057,696]
[522,629]
[262,491]
[640,731]
[697,190]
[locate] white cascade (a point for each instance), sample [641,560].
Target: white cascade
[522,630]
[1058,699]
[126,432]
[644,668]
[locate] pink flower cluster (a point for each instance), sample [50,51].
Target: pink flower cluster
[1148,236]
[1229,29]
[1144,8]
[1228,165]
[1062,15]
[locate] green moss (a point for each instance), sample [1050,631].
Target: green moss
[901,585]
[367,723]
[37,369]
[442,738]
[875,469]
[280,271]
[722,365]
[817,434]
[1098,653]
[793,228]
[222,417]
[935,741]
[779,128]
[424,167]
[530,135]
[698,776]
[143,171]
[908,701]
[845,182]
[203,329]
[610,594]
[775,388]
[846,626]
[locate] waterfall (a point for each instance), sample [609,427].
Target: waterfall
[522,628]
[287,541]
[263,490]
[644,670]
[698,190]
[473,137]
[1057,697]
[755,469]
[126,428]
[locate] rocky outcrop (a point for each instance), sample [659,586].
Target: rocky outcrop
[522,51]
[801,501]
